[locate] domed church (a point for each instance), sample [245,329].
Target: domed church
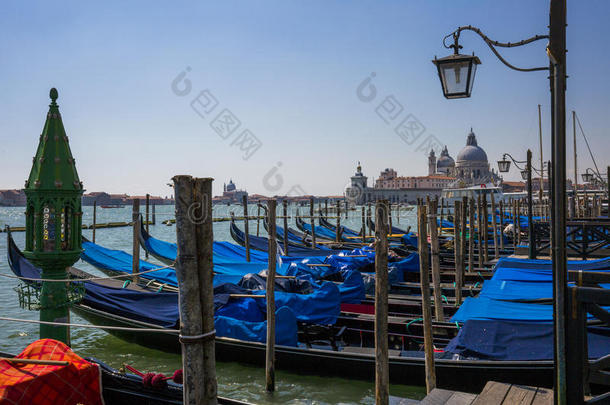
[471,167]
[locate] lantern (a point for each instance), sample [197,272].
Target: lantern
[503,165]
[53,219]
[456,73]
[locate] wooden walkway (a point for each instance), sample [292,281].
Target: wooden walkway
[494,393]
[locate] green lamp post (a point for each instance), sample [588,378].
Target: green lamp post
[53,220]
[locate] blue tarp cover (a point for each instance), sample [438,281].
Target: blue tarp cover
[510,290]
[323,306]
[485,308]
[285,328]
[512,340]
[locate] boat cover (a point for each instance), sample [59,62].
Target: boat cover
[223,251]
[541,270]
[321,306]
[517,341]
[285,328]
[320,230]
[77,382]
[510,290]
[262,244]
[161,308]
[486,308]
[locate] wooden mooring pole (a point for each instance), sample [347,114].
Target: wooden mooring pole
[363,228]
[147,219]
[313,222]
[205,269]
[258,219]
[457,251]
[382,367]
[338,233]
[480,230]
[244,201]
[494,226]
[94,219]
[435,259]
[270,296]
[191,295]
[135,262]
[471,234]
[154,216]
[501,225]
[485,230]
[285,212]
[424,276]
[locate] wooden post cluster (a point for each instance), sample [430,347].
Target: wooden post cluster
[382,368]
[194,271]
[135,259]
[424,276]
[270,296]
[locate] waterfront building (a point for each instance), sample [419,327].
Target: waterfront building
[469,169]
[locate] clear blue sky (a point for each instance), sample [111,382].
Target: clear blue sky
[288,71]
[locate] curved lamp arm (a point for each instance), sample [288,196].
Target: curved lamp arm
[517,162]
[491,43]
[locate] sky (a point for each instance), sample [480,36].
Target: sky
[273,94]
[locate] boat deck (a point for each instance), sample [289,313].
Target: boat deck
[494,393]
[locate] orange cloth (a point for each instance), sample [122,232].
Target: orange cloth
[37,384]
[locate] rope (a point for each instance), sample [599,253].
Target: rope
[80,280]
[80,325]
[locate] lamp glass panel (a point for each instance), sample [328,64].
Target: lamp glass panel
[455,77]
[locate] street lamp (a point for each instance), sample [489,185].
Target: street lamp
[526,174]
[556,51]
[456,71]
[587,177]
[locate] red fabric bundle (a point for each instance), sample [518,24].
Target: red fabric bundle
[78,382]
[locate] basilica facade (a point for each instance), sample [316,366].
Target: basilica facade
[471,168]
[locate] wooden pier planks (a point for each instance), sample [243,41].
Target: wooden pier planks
[494,393]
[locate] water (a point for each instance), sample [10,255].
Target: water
[239,381]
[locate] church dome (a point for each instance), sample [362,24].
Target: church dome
[445,161]
[472,152]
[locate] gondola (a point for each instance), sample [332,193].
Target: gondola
[126,388]
[345,361]
[262,244]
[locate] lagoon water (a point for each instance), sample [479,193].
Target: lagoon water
[238,381]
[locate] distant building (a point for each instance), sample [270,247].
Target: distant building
[513,186]
[471,168]
[397,189]
[230,194]
[98,197]
[12,198]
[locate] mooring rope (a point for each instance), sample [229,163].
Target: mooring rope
[80,325]
[80,280]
